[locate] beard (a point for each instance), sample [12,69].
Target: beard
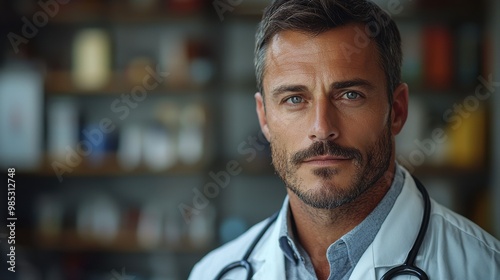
[368,170]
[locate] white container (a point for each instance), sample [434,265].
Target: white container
[91,59]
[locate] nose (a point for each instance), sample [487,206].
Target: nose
[324,121]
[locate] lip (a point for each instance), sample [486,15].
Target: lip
[326,160]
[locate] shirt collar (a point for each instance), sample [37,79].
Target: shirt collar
[286,238]
[358,239]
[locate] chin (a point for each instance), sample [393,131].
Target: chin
[327,192]
[327,196]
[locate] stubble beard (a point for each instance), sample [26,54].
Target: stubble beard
[369,169]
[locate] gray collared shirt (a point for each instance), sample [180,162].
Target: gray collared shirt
[343,254]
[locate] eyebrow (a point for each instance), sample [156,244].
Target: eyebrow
[358,82]
[352,83]
[288,88]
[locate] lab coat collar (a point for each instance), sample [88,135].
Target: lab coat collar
[401,226]
[269,258]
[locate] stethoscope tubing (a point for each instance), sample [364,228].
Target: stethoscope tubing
[244,263]
[408,267]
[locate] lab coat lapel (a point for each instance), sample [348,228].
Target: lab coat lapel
[396,235]
[269,255]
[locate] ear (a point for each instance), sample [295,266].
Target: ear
[261,114]
[399,108]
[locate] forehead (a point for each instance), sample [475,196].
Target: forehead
[340,51]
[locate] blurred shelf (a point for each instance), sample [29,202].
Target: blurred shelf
[452,172]
[87,12]
[447,92]
[426,17]
[108,165]
[59,83]
[124,242]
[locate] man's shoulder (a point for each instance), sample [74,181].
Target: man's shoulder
[461,230]
[230,252]
[456,248]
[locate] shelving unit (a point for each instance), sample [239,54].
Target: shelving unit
[125,242]
[130,190]
[229,127]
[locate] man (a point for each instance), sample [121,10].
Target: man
[330,104]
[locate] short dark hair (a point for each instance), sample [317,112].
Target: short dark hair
[317,16]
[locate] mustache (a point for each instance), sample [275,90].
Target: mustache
[326,148]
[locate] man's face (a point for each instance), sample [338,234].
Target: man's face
[327,116]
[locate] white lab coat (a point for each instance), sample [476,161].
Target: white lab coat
[454,248]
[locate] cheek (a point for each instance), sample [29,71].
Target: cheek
[362,130]
[285,139]
[281,139]
[282,126]
[280,120]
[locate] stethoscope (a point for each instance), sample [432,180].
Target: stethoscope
[407,268]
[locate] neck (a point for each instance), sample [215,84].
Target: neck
[316,229]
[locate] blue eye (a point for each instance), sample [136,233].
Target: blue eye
[294,100]
[351,95]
